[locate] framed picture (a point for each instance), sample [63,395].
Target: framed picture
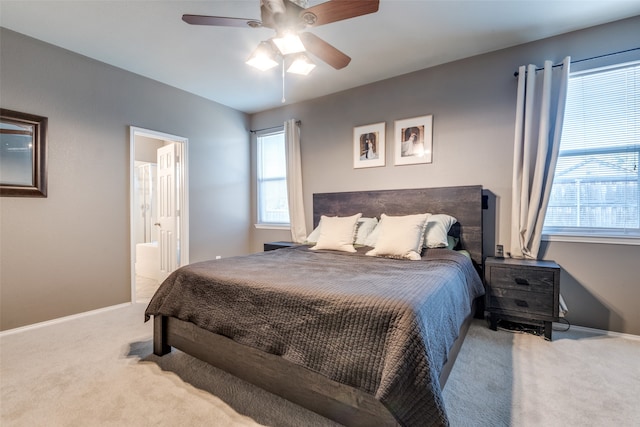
[369,145]
[23,154]
[413,140]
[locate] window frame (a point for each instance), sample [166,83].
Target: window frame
[596,234]
[258,181]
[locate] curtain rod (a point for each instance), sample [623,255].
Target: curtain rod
[298,122]
[587,59]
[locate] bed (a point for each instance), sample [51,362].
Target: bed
[361,340]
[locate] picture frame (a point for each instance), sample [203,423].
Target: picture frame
[414,140]
[23,154]
[369,145]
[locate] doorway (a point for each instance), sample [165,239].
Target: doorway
[159,217]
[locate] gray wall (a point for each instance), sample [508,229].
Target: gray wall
[472,101]
[69,253]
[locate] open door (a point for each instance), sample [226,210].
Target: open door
[168,212]
[156,254]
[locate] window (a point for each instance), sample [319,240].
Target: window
[273,205]
[595,187]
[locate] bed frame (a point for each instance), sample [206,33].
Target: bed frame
[344,404]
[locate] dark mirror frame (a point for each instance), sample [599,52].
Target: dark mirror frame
[39,159]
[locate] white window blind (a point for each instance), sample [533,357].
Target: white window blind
[595,186]
[273,206]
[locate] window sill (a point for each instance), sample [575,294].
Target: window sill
[272,226]
[609,240]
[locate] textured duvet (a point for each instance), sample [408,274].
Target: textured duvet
[381,325]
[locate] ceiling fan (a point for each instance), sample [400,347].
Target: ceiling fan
[289,19]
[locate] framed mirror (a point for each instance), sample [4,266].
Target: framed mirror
[23,154]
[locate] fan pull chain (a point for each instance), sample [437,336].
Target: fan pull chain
[283,100]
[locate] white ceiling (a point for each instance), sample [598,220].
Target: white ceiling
[149,38]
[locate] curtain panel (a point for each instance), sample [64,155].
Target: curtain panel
[294,181]
[539,115]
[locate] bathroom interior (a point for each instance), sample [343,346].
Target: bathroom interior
[147,257]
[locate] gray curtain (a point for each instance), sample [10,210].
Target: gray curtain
[539,116]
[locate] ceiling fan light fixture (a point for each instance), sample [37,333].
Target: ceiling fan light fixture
[288,43]
[263,57]
[301,65]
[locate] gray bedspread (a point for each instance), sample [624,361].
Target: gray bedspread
[381,325]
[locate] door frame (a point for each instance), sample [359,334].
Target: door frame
[183,203]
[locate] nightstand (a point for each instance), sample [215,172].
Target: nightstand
[522,290]
[271,246]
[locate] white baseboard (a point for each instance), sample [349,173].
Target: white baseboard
[599,331]
[62,319]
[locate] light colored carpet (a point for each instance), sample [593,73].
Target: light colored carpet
[580,379]
[145,288]
[99,370]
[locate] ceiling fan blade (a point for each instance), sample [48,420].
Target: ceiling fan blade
[337,10]
[220,21]
[324,51]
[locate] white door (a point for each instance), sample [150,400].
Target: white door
[168,213]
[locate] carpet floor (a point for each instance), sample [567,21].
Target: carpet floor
[100,370]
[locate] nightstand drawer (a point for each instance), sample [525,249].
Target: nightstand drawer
[520,301]
[522,279]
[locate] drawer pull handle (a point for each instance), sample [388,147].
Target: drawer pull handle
[522,282]
[521,303]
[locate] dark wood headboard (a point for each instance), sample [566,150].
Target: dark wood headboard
[464,203]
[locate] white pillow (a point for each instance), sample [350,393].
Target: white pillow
[313,236]
[337,233]
[435,235]
[365,228]
[400,236]
[372,238]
